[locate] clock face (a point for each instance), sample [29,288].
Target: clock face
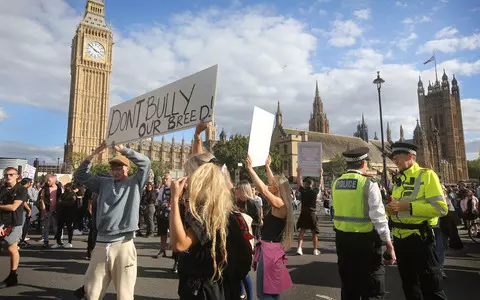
[95,50]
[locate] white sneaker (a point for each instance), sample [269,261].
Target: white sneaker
[55,246]
[316,252]
[299,251]
[27,239]
[67,245]
[77,232]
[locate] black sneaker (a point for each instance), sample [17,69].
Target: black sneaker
[164,253]
[12,280]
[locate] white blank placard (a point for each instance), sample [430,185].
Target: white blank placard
[260,136]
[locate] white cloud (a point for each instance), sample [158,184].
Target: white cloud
[48,155]
[344,33]
[3,114]
[470,113]
[404,43]
[322,12]
[363,14]
[416,20]
[446,32]
[401,4]
[245,43]
[363,58]
[452,44]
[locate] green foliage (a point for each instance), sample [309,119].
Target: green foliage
[77,158]
[337,165]
[474,168]
[99,169]
[159,168]
[234,151]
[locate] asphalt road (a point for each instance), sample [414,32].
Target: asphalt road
[55,273]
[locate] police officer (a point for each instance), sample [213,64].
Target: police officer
[417,202]
[361,228]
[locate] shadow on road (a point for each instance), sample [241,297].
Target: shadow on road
[53,293]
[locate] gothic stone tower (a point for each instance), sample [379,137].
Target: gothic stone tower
[91,65]
[362,130]
[318,120]
[441,118]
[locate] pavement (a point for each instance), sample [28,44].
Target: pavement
[55,273]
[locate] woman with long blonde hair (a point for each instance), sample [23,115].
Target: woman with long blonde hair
[205,268]
[277,232]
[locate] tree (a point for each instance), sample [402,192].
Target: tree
[337,165]
[234,151]
[77,158]
[474,168]
[100,169]
[159,168]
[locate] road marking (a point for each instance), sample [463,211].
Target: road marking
[324,297]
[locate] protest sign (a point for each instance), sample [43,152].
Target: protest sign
[310,158]
[175,106]
[29,172]
[260,136]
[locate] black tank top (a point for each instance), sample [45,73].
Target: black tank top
[273,228]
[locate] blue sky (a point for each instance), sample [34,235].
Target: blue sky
[267,51]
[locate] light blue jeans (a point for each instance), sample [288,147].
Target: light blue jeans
[260,293]
[247,287]
[440,245]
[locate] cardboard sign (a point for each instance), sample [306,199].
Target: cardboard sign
[29,172]
[310,158]
[176,106]
[260,136]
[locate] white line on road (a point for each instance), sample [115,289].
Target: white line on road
[324,297]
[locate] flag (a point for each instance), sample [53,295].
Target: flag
[430,60]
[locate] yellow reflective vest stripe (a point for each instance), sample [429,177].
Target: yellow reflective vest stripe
[425,196]
[350,203]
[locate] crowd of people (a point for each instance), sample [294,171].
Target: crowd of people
[219,232]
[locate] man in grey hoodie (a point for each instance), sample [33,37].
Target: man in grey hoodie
[114,257]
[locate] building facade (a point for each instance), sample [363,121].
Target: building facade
[441,119]
[318,119]
[90,68]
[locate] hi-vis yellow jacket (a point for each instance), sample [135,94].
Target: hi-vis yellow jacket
[423,191]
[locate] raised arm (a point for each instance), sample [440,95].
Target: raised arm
[180,239]
[271,178]
[274,201]
[83,175]
[299,177]
[197,138]
[320,180]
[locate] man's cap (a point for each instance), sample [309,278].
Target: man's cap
[405,148]
[120,160]
[357,154]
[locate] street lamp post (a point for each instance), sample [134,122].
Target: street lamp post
[378,81]
[58,165]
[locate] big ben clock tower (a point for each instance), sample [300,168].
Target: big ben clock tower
[91,65]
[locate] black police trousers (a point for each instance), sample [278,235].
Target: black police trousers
[419,268]
[360,265]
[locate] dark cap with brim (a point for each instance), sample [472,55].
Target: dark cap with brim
[403,148]
[356,155]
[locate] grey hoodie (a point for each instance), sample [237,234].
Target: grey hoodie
[118,202]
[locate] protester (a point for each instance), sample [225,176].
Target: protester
[470,209]
[116,221]
[12,197]
[277,231]
[218,256]
[308,219]
[49,195]
[66,207]
[246,203]
[163,213]
[148,202]
[27,214]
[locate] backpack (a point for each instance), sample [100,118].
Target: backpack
[239,248]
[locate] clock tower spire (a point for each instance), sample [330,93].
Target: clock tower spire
[90,68]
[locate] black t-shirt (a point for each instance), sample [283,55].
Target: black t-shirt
[308,197]
[8,196]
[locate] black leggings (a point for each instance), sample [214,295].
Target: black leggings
[66,216]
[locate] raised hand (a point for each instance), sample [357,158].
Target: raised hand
[248,162]
[201,127]
[268,162]
[118,147]
[177,188]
